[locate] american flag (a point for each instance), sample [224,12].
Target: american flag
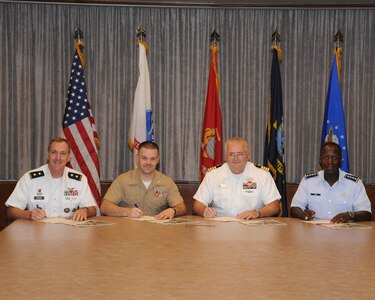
[79,126]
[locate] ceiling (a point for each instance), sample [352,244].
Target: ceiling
[226,3]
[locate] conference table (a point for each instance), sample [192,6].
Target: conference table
[201,259]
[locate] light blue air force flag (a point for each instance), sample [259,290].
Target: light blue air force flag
[334,120]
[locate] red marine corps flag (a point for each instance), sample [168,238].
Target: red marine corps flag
[79,126]
[212,146]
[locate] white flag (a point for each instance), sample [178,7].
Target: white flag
[141,127]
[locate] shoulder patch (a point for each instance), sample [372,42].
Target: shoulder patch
[262,167]
[214,167]
[36,174]
[351,177]
[311,175]
[75,176]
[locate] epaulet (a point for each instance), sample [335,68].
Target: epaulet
[214,167]
[262,167]
[36,174]
[74,176]
[351,177]
[311,175]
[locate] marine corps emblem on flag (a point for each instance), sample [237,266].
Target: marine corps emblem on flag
[208,144]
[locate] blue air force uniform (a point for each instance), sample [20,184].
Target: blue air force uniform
[347,194]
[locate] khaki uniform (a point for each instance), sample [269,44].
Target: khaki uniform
[128,190]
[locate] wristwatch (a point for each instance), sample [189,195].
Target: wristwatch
[351,215]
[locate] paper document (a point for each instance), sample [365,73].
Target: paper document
[318,221]
[226,219]
[345,225]
[262,222]
[87,223]
[164,222]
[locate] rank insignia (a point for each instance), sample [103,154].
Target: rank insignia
[75,176]
[311,175]
[36,174]
[351,177]
[214,167]
[262,167]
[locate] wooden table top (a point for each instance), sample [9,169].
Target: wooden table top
[143,260]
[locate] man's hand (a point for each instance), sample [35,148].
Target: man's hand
[308,214]
[209,212]
[248,214]
[341,218]
[168,213]
[37,214]
[79,215]
[134,212]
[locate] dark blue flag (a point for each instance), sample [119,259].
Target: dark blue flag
[334,129]
[274,142]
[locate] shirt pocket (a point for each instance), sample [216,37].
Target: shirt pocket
[158,196]
[344,201]
[223,192]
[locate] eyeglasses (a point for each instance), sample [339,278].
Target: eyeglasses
[236,154]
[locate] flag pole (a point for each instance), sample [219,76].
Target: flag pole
[211,144]
[141,126]
[78,124]
[339,41]
[274,157]
[334,128]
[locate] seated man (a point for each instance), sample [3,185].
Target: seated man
[238,188]
[53,190]
[144,190]
[331,193]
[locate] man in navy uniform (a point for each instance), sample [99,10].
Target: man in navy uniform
[331,194]
[52,190]
[238,188]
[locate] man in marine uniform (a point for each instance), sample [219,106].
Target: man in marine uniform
[144,190]
[53,190]
[238,188]
[331,194]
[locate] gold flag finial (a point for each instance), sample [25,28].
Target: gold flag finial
[276,38]
[141,33]
[214,38]
[338,39]
[78,35]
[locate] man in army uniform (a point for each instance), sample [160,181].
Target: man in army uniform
[238,188]
[331,194]
[53,190]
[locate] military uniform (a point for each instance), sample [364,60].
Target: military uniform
[128,190]
[59,197]
[231,194]
[347,194]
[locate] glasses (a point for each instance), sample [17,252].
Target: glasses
[236,155]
